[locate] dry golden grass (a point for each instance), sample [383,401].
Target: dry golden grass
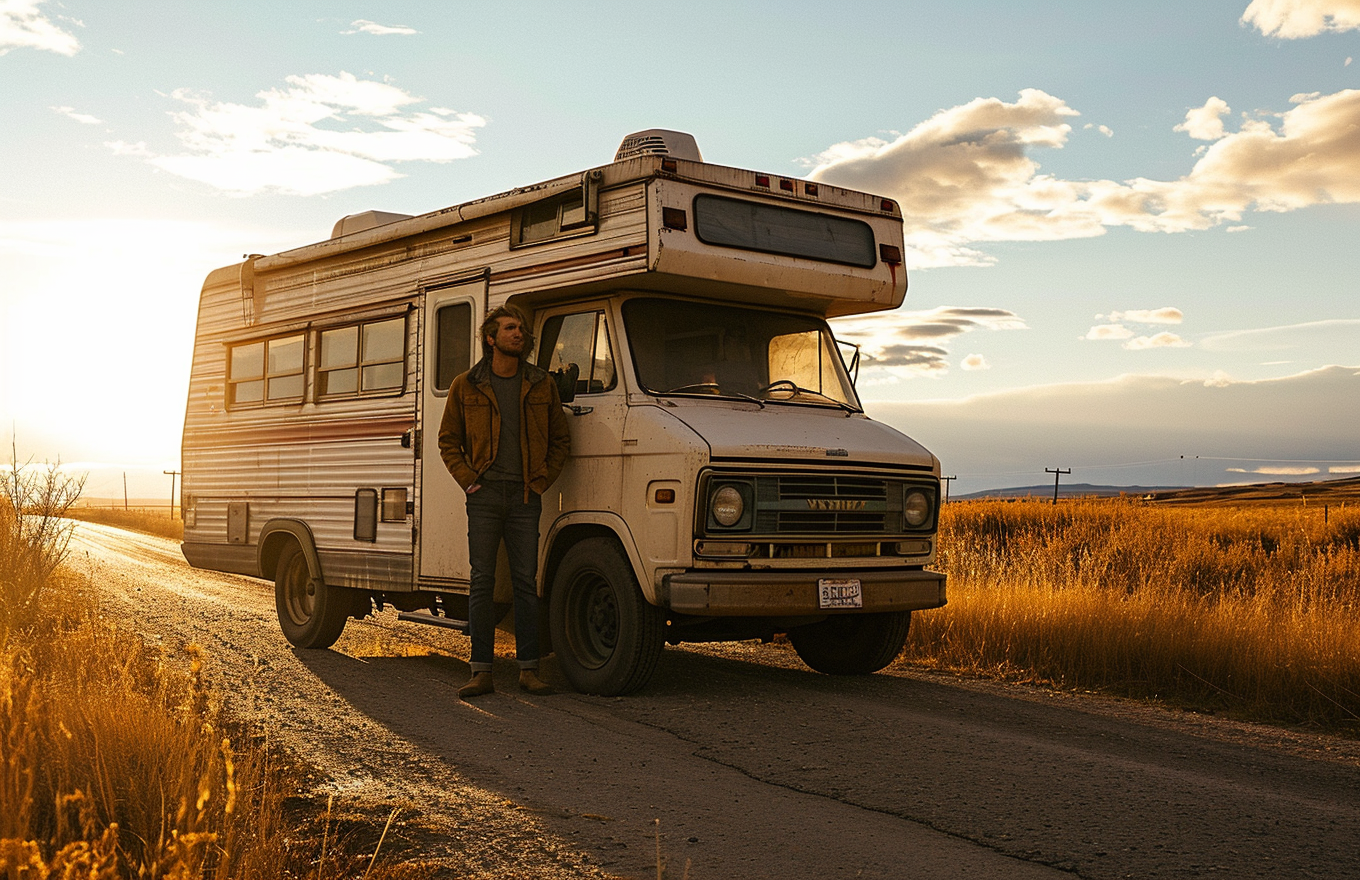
[1250,611]
[138,519]
[115,761]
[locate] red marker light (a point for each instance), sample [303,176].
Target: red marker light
[786,185]
[674,218]
[763,180]
[890,254]
[810,189]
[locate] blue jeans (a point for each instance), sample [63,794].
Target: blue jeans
[497,512]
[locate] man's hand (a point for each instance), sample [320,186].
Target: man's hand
[473,488]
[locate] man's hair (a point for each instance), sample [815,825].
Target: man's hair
[491,324]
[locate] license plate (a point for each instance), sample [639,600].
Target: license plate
[839,594]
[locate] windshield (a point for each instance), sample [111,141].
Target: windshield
[700,348]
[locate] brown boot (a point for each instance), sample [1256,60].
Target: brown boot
[529,682]
[479,684]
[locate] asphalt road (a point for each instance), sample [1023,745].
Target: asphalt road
[738,762]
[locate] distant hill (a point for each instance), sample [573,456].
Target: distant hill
[1336,491]
[1066,490]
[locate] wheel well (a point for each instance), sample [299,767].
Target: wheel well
[566,539]
[271,550]
[277,535]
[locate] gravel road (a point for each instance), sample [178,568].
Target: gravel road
[738,762]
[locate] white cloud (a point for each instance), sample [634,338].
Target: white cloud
[974,362]
[71,113]
[1296,19]
[23,26]
[1276,470]
[1103,129]
[1161,340]
[1164,315]
[320,134]
[1108,331]
[912,343]
[966,176]
[364,26]
[1205,123]
[1284,337]
[1344,469]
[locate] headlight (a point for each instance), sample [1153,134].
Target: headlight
[727,506]
[916,509]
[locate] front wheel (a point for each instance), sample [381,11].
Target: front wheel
[311,614]
[607,636]
[852,644]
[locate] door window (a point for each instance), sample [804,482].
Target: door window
[581,339]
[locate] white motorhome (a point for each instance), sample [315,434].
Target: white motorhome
[724,482]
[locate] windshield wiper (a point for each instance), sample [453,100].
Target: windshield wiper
[710,388]
[797,389]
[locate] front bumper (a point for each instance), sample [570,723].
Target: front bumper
[725,593]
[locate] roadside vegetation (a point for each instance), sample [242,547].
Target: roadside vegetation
[1248,611]
[137,519]
[115,760]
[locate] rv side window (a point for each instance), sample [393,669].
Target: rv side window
[362,359]
[269,370]
[581,339]
[569,214]
[454,343]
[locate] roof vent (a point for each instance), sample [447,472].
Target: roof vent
[352,223]
[659,142]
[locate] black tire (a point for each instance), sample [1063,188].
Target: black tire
[607,636]
[311,614]
[852,644]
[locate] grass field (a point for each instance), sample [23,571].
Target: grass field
[1249,611]
[138,519]
[115,759]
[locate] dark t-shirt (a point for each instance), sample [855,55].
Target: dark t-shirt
[509,465]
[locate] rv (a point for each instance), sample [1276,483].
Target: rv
[724,482]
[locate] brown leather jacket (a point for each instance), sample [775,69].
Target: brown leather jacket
[471,427]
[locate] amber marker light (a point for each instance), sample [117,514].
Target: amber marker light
[664,496]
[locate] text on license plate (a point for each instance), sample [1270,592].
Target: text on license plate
[839,594]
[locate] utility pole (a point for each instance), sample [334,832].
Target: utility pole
[947,481]
[1057,474]
[172,475]
[125,501]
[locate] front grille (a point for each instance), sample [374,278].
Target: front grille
[825,505]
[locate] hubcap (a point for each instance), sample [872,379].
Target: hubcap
[298,594]
[593,620]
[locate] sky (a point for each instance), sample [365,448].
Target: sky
[1131,229]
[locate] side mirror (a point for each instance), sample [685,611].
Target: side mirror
[565,378]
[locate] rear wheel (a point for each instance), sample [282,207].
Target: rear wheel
[852,644]
[607,637]
[311,614]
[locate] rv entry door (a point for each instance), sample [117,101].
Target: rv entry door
[450,316]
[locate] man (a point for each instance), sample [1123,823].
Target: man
[504,438]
